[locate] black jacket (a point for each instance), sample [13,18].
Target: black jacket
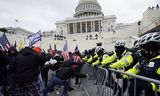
[65,73]
[3,71]
[26,66]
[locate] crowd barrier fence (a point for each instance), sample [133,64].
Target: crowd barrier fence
[94,84]
[97,79]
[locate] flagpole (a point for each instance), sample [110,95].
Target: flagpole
[65,47]
[41,39]
[16,22]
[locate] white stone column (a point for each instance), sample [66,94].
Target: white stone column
[75,27]
[68,27]
[99,25]
[91,26]
[80,27]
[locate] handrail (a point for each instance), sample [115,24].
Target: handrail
[138,76]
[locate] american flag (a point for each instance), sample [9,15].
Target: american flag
[65,55]
[76,58]
[4,42]
[65,47]
[76,49]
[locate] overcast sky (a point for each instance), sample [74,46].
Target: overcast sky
[34,15]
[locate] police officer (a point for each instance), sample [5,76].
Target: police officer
[98,57]
[150,46]
[91,55]
[120,51]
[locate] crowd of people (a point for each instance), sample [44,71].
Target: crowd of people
[25,73]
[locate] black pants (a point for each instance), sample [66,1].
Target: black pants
[125,85]
[123,89]
[44,73]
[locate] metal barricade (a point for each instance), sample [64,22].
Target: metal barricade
[103,82]
[135,81]
[94,84]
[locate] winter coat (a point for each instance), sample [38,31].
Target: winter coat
[26,66]
[3,70]
[65,73]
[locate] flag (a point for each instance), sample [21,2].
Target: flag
[4,42]
[112,29]
[15,45]
[1,47]
[76,49]
[65,52]
[65,55]
[76,58]
[16,21]
[44,51]
[65,47]
[50,47]
[34,38]
[20,45]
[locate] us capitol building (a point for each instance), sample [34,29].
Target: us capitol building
[89,28]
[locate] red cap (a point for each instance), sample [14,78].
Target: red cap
[37,50]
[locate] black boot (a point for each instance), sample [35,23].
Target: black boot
[119,92]
[114,88]
[70,88]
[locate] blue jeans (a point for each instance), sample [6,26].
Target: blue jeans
[1,90]
[40,81]
[56,81]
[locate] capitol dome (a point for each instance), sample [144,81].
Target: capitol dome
[88,8]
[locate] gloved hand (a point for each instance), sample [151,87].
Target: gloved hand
[95,66]
[107,66]
[46,63]
[89,63]
[118,75]
[125,76]
[103,66]
[51,62]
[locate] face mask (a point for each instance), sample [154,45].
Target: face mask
[146,54]
[119,49]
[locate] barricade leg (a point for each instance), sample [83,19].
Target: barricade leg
[94,84]
[132,88]
[111,83]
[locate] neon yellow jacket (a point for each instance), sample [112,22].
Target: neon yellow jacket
[90,59]
[85,58]
[105,56]
[125,61]
[96,62]
[158,72]
[110,59]
[95,56]
[136,70]
[133,70]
